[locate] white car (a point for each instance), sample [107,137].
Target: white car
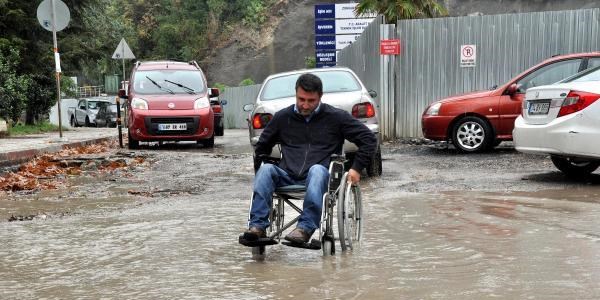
[341,88]
[563,120]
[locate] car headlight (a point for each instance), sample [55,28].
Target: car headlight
[201,103]
[434,109]
[139,103]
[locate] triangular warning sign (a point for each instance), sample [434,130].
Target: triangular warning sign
[123,51]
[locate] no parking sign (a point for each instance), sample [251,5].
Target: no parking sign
[468,56]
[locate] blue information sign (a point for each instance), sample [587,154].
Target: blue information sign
[324,27]
[325,42]
[325,11]
[326,57]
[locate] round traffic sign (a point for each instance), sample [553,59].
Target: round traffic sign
[62,15]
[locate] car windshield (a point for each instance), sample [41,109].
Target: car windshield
[333,82]
[168,82]
[589,75]
[95,104]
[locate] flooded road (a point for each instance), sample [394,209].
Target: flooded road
[438,225]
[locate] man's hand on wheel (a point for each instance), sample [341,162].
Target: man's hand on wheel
[353,177]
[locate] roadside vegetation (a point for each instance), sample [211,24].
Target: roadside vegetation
[154,29]
[23,129]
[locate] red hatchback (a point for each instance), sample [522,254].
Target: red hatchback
[169,101]
[480,120]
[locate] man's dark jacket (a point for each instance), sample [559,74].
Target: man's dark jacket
[304,144]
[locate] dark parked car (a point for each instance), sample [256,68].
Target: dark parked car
[107,116]
[217,107]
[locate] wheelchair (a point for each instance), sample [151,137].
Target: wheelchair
[339,193]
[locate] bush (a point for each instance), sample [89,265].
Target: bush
[247,81]
[13,87]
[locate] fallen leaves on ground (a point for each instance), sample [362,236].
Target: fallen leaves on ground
[42,172]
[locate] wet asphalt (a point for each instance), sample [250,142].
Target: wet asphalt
[438,225]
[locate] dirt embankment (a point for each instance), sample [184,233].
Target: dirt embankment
[281,45]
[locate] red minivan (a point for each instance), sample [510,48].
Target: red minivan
[480,120]
[169,101]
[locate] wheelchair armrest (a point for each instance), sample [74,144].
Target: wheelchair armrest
[265,158]
[338,157]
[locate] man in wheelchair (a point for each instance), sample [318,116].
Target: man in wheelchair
[309,133]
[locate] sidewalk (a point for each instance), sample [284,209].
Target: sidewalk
[14,150]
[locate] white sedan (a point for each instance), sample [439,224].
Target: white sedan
[563,120]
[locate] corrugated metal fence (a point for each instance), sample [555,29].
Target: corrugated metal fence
[363,58]
[237,97]
[428,68]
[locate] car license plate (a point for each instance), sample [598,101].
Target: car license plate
[539,108]
[177,126]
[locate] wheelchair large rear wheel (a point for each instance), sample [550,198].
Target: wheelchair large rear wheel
[349,216]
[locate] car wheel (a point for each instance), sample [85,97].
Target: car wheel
[133,143]
[73,122]
[219,131]
[208,143]
[472,134]
[87,122]
[574,167]
[375,167]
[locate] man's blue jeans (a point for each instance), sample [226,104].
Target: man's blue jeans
[269,177]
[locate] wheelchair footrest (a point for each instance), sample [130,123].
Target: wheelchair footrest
[257,243]
[312,245]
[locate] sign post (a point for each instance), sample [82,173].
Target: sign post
[122,52]
[54,16]
[336,27]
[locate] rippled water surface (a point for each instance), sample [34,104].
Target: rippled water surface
[180,242]
[540,245]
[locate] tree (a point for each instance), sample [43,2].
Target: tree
[13,87]
[394,10]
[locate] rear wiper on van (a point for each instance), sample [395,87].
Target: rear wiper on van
[160,87]
[188,89]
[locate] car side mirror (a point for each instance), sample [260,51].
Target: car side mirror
[122,94]
[213,92]
[248,107]
[223,102]
[512,89]
[372,93]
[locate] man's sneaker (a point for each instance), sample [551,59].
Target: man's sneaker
[254,233]
[298,236]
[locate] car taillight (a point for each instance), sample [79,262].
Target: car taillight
[260,120]
[577,101]
[363,110]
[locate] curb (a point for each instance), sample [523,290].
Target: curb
[17,157]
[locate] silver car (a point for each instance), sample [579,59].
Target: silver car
[341,88]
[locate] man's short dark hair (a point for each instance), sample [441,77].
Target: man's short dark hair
[310,83]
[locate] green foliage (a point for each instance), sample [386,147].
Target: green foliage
[255,13]
[13,87]
[221,86]
[310,62]
[21,129]
[161,29]
[402,9]
[41,95]
[247,81]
